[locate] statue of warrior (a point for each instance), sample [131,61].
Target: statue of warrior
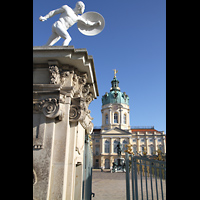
[67,19]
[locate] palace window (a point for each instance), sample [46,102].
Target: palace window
[159,139]
[134,139]
[151,148]
[106,119]
[115,146]
[161,148]
[123,144]
[107,146]
[115,118]
[97,150]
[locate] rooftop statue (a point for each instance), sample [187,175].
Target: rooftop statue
[68,18]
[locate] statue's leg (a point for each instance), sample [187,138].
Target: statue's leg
[60,30]
[67,40]
[52,39]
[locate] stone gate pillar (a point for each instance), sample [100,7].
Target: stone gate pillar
[64,84]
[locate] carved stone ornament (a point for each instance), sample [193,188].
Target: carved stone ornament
[54,74]
[74,113]
[79,112]
[50,108]
[69,76]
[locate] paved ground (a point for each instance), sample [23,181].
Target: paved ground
[109,186]
[112,186]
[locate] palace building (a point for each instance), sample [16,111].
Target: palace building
[116,128]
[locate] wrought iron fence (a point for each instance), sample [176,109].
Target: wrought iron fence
[148,176]
[87,170]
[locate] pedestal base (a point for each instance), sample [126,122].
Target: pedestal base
[119,166]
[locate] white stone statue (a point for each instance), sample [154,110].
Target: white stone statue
[67,19]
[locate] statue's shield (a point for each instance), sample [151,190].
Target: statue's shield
[91,30]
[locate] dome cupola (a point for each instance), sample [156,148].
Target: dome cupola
[115,95]
[115,108]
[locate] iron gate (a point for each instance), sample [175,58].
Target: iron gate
[87,170]
[148,177]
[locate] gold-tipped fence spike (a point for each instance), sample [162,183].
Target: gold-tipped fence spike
[129,150]
[144,152]
[159,155]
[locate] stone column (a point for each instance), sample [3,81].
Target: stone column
[146,143]
[138,143]
[102,145]
[164,145]
[64,84]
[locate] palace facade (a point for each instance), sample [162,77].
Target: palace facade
[116,128]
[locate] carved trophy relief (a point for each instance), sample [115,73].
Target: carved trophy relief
[80,81]
[89,98]
[86,89]
[54,74]
[66,77]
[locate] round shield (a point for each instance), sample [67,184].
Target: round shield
[91,30]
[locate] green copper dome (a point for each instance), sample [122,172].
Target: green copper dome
[115,95]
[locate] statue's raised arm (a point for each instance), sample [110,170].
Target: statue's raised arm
[88,22]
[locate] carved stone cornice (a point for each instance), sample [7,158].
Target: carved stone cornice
[65,80]
[61,56]
[69,76]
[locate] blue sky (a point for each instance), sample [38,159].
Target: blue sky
[133,42]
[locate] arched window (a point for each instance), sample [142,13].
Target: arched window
[115,118]
[124,119]
[107,146]
[106,119]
